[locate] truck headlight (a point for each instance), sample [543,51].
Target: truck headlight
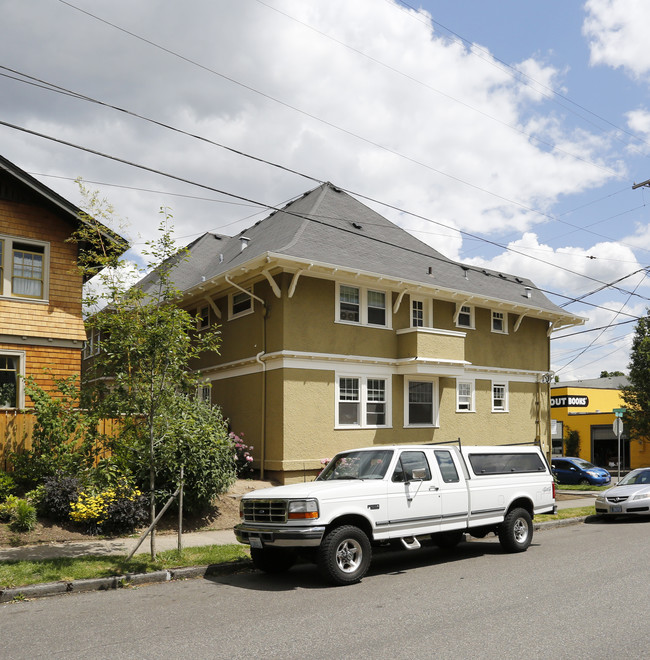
[303,509]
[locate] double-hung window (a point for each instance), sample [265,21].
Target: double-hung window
[499,397]
[363,306]
[421,312]
[464,396]
[24,267]
[203,317]
[420,403]
[362,402]
[239,304]
[499,322]
[11,368]
[92,343]
[465,317]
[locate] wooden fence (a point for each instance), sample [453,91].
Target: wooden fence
[16,429]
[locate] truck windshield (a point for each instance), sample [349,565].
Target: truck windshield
[357,465]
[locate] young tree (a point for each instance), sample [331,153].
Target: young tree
[636,395]
[141,373]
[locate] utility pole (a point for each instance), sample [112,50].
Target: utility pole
[639,185]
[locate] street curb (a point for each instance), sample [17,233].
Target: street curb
[559,523]
[119,581]
[187,573]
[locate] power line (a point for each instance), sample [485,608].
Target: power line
[276,208]
[314,117]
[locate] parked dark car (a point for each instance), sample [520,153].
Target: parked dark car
[569,470]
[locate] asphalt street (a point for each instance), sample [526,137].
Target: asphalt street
[581,591]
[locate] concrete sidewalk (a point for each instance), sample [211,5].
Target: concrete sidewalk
[116,546]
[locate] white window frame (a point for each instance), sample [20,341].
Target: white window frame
[203,320]
[470,311]
[363,401]
[232,315]
[7,248]
[498,315]
[471,401]
[92,343]
[435,412]
[427,312]
[20,390]
[503,408]
[204,393]
[364,306]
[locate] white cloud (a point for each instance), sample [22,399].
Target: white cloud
[617,31]
[568,270]
[415,111]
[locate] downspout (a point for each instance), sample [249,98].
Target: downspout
[258,357]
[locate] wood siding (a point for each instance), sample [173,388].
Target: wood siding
[59,317]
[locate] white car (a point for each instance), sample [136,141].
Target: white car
[631,495]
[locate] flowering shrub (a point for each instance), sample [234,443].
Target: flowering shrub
[115,510]
[243,456]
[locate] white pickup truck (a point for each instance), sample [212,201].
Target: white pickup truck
[402,493]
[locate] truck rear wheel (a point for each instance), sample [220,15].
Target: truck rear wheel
[273,560]
[344,555]
[516,531]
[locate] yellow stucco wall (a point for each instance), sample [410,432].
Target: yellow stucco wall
[299,404]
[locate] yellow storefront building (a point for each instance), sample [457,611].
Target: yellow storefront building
[587,406]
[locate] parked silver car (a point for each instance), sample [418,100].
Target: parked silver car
[630,495]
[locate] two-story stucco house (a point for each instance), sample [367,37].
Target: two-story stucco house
[340,329]
[41,322]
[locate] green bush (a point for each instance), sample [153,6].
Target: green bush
[7,486]
[57,494]
[23,518]
[8,507]
[20,514]
[195,437]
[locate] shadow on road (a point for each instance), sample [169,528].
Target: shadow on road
[385,561]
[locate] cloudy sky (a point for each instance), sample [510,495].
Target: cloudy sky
[505,134]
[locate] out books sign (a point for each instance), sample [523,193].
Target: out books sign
[570,401]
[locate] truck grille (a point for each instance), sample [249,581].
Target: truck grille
[265,511]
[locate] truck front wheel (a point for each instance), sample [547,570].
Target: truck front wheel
[273,560]
[344,555]
[516,531]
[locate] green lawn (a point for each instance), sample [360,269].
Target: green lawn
[577,487]
[22,573]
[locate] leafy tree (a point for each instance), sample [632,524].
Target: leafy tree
[609,374]
[636,395]
[571,442]
[141,372]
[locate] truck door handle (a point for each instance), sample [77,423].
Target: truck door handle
[433,488]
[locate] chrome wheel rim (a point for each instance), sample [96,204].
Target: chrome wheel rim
[520,530]
[349,555]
